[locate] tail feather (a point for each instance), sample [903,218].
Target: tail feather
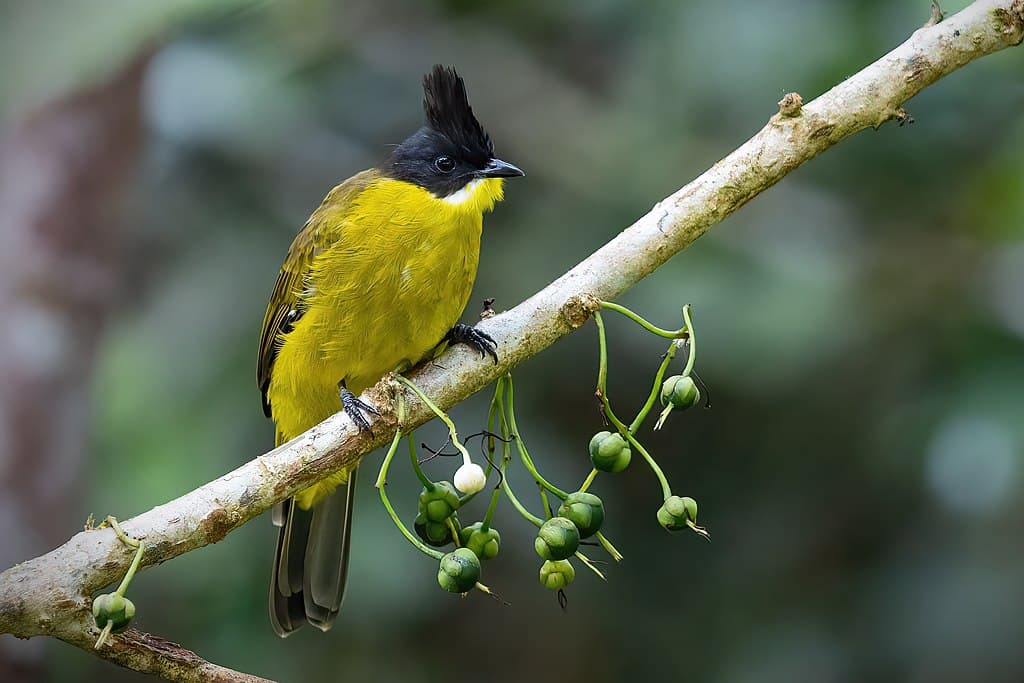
[287,612]
[311,561]
[327,553]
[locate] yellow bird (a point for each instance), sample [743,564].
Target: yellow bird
[375,281]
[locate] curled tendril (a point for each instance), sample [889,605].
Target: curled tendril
[435,453]
[705,391]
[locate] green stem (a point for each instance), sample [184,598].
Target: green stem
[666,490]
[602,375]
[383,473]
[619,425]
[527,515]
[123,587]
[131,571]
[382,487]
[132,543]
[424,479]
[454,531]
[612,417]
[486,524]
[441,414]
[521,446]
[589,480]
[544,502]
[506,457]
[492,413]
[602,363]
[506,430]
[692,357]
[655,389]
[667,334]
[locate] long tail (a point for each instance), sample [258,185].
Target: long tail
[311,561]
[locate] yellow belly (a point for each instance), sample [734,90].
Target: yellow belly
[380,299]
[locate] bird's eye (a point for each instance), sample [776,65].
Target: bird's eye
[444,164]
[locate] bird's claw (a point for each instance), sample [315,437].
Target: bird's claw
[475,339]
[355,409]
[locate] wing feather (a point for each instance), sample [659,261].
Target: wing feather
[287,303]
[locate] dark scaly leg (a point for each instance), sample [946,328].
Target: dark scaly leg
[473,338]
[355,408]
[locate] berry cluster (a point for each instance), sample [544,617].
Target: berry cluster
[579,514]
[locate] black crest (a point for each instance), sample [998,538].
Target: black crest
[453,149]
[448,112]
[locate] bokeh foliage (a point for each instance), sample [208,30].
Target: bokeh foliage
[862,329]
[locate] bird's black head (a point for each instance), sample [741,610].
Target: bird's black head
[453,149]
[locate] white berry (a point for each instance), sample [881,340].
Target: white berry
[470,478]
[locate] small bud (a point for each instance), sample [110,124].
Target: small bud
[585,510]
[681,392]
[557,539]
[470,478]
[484,544]
[114,608]
[557,574]
[437,534]
[459,571]
[678,513]
[439,504]
[609,452]
[678,392]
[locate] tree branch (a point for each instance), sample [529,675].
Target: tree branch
[50,595]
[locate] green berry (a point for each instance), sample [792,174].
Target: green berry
[609,452]
[114,608]
[556,574]
[678,513]
[585,510]
[557,539]
[681,392]
[459,571]
[437,534]
[439,504]
[484,544]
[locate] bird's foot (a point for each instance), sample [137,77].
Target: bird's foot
[356,409]
[473,338]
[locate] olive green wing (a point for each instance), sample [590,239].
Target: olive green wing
[287,303]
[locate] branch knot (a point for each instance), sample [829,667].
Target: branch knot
[791,105]
[578,309]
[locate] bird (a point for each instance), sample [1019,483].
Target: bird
[375,282]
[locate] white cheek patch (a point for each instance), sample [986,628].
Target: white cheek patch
[465,193]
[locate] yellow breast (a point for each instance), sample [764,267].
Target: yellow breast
[381,297]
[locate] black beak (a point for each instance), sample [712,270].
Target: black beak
[496,168]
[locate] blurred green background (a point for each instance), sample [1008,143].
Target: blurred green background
[861,328]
